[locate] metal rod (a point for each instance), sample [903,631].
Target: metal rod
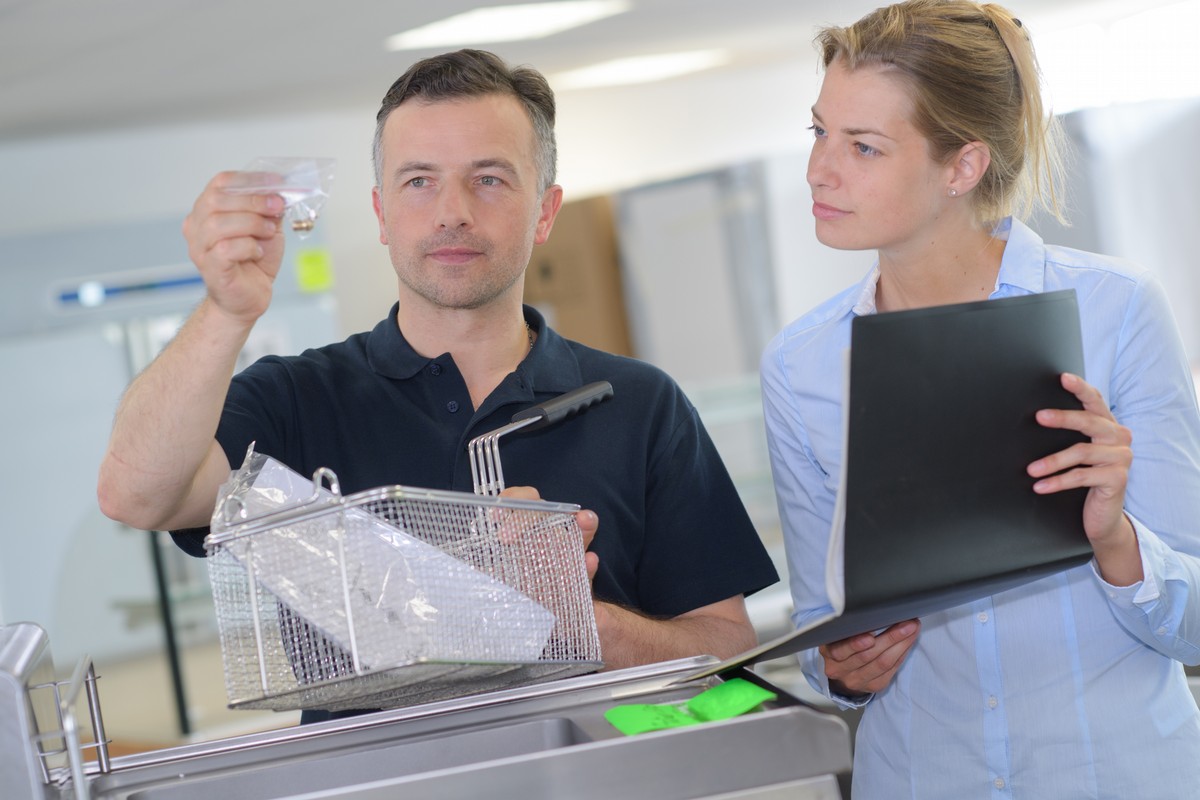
[93,696]
[485,457]
[341,543]
[66,713]
[167,615]
[254,615]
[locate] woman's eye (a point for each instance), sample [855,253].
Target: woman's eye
[865,149]
[817,130]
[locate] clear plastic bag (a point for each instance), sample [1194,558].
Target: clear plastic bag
[303,183]
[368,585]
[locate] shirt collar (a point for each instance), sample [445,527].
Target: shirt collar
[389,353]
[1022,268]
[1023,265]
[550,366]
[862,302]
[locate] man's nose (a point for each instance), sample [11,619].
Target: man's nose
[454,206]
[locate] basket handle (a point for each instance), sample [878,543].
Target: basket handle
[565,406]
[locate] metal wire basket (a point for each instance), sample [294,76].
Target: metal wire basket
[397,595]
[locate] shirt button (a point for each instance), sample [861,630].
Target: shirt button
[452,406]
[1160,631]
[982,616]
[999,783]
[435,369]
[993,702]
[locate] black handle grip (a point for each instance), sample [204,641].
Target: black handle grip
[566,405]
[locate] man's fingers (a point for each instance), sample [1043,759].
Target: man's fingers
[521,493]
[589,523]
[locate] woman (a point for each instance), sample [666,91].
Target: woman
[929,134]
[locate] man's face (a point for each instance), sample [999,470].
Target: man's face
[458,205]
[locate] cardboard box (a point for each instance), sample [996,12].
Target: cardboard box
[574,279]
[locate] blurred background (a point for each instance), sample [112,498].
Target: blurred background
[686,239]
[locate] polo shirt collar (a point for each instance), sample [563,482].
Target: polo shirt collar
[551,365]
[389,353]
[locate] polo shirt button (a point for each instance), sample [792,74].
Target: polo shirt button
[983,617]
[452,406]
[435,369]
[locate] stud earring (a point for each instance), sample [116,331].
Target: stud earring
[954,192]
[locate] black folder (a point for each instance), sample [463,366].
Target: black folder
[936,508]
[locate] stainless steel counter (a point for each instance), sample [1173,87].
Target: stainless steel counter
[549,740]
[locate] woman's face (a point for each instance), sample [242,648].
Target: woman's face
[874,184]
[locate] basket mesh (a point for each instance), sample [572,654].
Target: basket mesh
[297,600]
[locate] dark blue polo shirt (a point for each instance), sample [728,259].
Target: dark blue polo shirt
[673,533]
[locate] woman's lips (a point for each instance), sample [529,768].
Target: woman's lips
[822,211]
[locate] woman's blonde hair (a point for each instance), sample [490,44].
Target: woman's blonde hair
[973,77]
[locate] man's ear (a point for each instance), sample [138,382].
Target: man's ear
[377,204]
[968,166]
[551,203]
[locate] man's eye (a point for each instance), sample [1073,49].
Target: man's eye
[417,182]
[490,180]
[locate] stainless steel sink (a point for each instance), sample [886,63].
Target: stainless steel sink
[546,741]
[288,777]
[550,740]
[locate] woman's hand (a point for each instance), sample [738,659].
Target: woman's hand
[866,663]
[1102,465]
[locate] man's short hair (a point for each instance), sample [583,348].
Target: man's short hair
[475,73]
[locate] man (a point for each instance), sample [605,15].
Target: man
[464,163]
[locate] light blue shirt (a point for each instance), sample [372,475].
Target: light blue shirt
[1064,688]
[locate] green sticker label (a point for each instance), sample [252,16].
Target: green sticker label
[729,699]
[314,270]
[640,718]
[724,701]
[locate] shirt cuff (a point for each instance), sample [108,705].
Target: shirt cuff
[814,670]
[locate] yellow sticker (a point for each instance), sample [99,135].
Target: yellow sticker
[314,270]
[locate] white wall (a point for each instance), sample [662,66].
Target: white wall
[69,183]
[608,140]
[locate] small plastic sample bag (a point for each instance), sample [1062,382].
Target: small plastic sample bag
[392,596]
[303,183]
